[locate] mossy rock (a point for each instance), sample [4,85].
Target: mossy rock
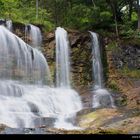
[97,118]
[121,100]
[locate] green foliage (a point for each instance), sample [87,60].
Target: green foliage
[134,16]
[113,46]
[132,73]
[79,14]
[127,30]
[8,8]
[24,12]
[105,18]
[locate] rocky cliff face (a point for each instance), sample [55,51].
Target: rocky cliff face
[129,55]
[81,63]
[123,73]
[81,56]
[113,60]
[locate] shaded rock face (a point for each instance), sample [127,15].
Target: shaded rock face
[81,56]
[81,62]
[2,22]
[128,56]
[19,30]
[48,49]
[80,48]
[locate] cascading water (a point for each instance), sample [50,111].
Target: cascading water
[34,33]
[101,97]
[19,61]
[97,65]
[62,59]
[7,23]
[24,105]
[63,79]
[25,97]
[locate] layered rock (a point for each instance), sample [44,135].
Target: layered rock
[129,55]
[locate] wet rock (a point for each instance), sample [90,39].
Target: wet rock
[2,127]
[125,121]
[2,22]
[120,100]
[85,111]
[23,131]
[46,121]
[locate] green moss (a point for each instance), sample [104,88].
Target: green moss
[127,33]
[87,120]
[131,73]
[131,41]
[113,46]
[113,85]
[90,115]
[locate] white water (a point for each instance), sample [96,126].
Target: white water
[62,58]
[101,97]
[19,61]
[63,80]
[21,105]
[34,33]
[7,23]
[24,99]
[97,65]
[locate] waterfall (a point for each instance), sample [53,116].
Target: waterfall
[19,61]
[63,79]
[25,105]
[97,65]
[62,58]
[101,97]
[34,34]
[26,97]
[9,25]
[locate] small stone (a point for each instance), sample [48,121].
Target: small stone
[138,102]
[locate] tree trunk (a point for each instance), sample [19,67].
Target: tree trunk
[93,3]
[130,9]
[138,15]
[113,5]
[116,27]
[55,14]
[37,9]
